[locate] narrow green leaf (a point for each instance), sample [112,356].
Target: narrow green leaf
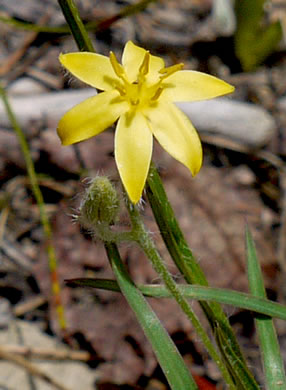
[229,297]
[165,350]
[143,238]
[185,260]
[270,351]
[241,378]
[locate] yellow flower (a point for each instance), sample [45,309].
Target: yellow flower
[140,94]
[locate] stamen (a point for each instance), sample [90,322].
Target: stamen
[118,68]
[121,89]
[166,72]
[157,94]
[144,67]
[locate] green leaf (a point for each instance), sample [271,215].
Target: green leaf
[242,379]
[254,41]
[165,350]
[186,262]
[270,351]
[229,297]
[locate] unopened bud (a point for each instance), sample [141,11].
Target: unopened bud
[100,204]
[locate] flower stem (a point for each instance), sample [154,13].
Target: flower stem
[187,264]
[53,264]
[76,26]
[146,243]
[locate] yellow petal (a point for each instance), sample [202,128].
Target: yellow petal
[91,117]
[189,85]
[132,59]
[91,68]
[133,150]
[176,134]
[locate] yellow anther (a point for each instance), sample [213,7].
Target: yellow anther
[166,72]
[157,94]
[121,90]
[144,67]
[120,87]
[117,67]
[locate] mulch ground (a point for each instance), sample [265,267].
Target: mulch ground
[234,185]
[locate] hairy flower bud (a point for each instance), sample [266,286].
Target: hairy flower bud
[100,204]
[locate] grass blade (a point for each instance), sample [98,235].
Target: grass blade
[165,350]
[229,297]
[270,351]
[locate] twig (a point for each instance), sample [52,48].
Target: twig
[13,251]
[30,368]
[16,56]
[23,66]
[25,307]
[90,26]
[45,353]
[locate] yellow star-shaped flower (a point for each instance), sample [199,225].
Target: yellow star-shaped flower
[140,94]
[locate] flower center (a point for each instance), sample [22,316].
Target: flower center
[141,93]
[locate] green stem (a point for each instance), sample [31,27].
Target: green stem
[145,242]
[170,230]
[40,202]
[187,264]
[34,27]
[76,26]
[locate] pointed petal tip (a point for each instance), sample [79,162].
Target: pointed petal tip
[130,44]
[195,170]
[135,198]
[231,88]
[195,164]
[224,88]
[190,85]
[134,193]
